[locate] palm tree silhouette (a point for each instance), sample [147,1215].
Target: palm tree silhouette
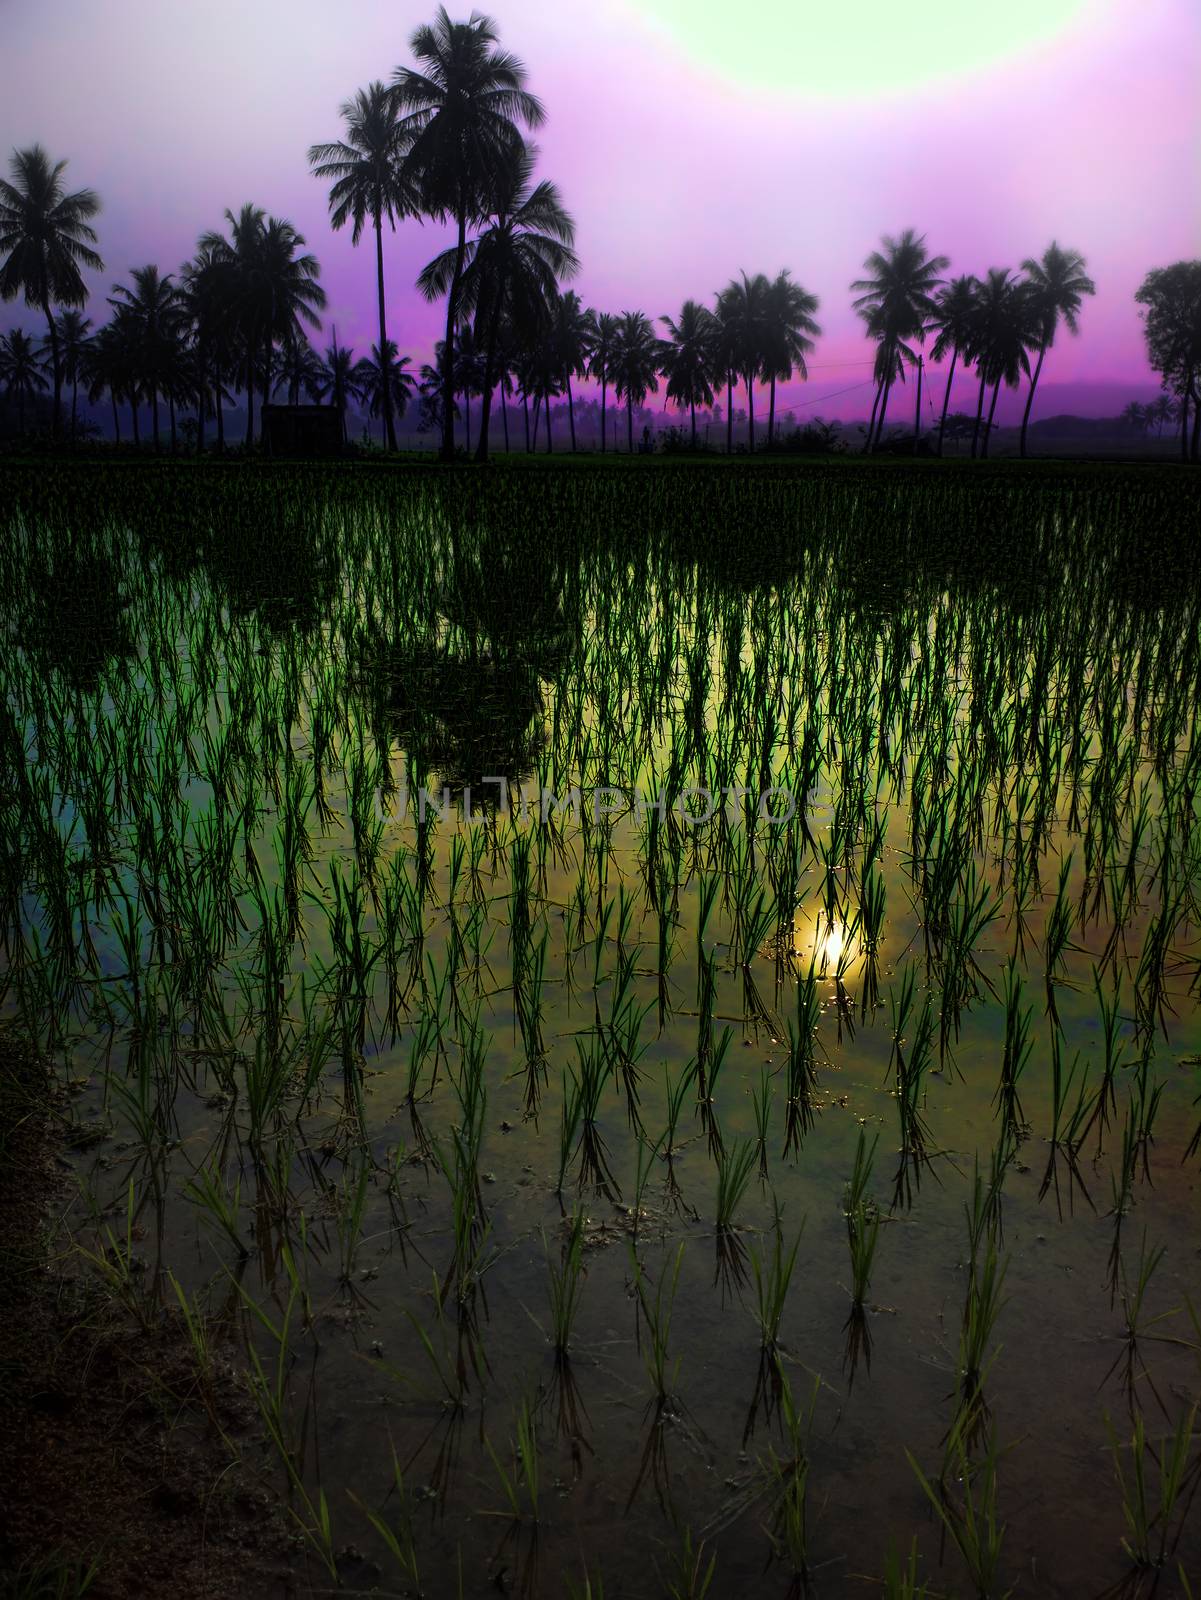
[634,364]
[511,269]
[1058,284]
[895,300]
[1007,323]
[22,371]
[604,338]
[74,330]
[384,381]
[206,289]
[953,315]
[788,336]
[370,180]
[743,310]
[45,239]
[687,358]
[298,367]
[152,317]
[340,379]
[459,115]
[571,343]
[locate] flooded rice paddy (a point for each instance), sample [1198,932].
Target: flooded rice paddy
[606,1196]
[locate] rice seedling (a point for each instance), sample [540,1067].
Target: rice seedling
[972,1521]
[524,1474]
[565,1286]
[654,1324]
[773,1277]
[863,1219]
[1154,1518]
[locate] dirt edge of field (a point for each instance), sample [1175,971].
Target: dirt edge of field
[115,1477]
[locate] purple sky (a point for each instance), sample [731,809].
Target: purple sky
[683,158]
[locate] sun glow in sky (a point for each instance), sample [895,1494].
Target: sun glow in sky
[690,140]
[867,47]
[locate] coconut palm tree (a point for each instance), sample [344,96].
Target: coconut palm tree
[1058,283]
[604,337]
[375,374]
[1170,298]
[1008,324]
[153,319]
[45,239]
[206,300]
[511,269]
[1137,417]
[298,367]
[340,379]
[742,309]
[459,114]
[74,331]
[634,364]
[22,371]
[895,300]
[687,358]
[273,291]
[570,335]
[111,368]
[370,181]
[953,316]
[789,332]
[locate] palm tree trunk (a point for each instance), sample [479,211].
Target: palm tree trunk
[1195,452]
[250,352]
[220,412]
[56,362]
[74,396]
[133,406]
[692,410]
[549,445]
[389,422]
[571,413]
[750,409]
[917,410]
[1034,376]
[525,402]
[200,396]
[504,414]
[991,412]
[154,412]
[467,419]
[771,414]
[171,405]
[888,383]
[729,411]
[448,348]
[481,453]
[604,398]
[979,412]
[871,421]
[112,395]
[946,399]
[630,423]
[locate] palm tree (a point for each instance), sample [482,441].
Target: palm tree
[384,381]
[340,379]
[954,317]
[74,330]
[571,343]
[789,332]
[1007,323]
[604,338]
[207,304]
[22,371]
[1137,417]
[634,364]
[273,290]
[1058,283]
[45,239]
[298,367]
[370,180]
[896,300]
[111,367]
[687,357]
[152,318]
[742,309]
[511,270]
[460,109]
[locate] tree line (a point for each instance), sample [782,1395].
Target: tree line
[448,139]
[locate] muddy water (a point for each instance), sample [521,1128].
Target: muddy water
[596,670]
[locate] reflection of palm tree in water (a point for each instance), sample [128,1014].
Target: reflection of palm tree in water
[467,703]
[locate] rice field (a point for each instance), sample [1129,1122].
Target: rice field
[657,1008]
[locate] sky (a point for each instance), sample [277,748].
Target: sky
[690,140]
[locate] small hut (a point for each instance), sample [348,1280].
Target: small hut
[302,430]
